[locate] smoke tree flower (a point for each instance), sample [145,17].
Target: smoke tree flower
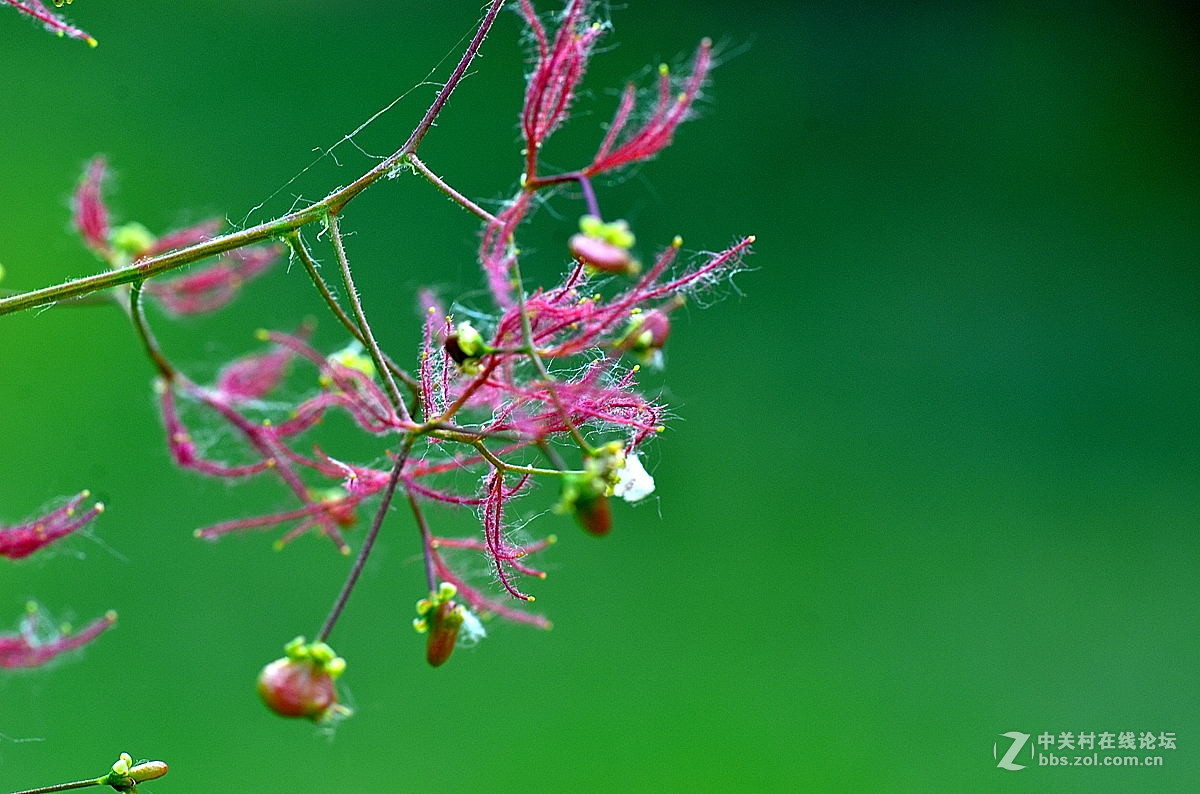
[21,540]
[125,774]
[446,623]
[53,22]
[604,247]
[39,641]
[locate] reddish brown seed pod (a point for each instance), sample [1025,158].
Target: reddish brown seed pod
[302,683]
[444,622]
[594,514]
[293,688]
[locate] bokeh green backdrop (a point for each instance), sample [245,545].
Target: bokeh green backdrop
[934,476]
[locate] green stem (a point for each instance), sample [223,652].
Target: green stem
[451,193]
[63,787]
[280,227]
[504,466]
[310,266]
[83,301]
[368,338]
[157,265]
[138,315]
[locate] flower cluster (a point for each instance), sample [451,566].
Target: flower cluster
[544,388]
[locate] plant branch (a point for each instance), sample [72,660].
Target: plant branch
[368,542]
[298,247]
[367,337]
[451,193]
[504,466]
[426,542]
[585,184]
[547,378]
[61,787]
[279,227]
[137,314]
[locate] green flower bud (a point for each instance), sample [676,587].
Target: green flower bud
[133,239]
[353,356]
[466,347]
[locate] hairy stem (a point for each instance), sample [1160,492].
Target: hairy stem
[585,184]
[473,387]
[367,337]
[61,787]
[368,542]
[547,378]
[426,542]
[310,266]
[339,199]
[137,314]
[451,193]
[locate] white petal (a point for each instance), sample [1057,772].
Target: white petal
[472,630]
[634,483]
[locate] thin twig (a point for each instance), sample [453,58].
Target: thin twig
[137,314]
[368,542]
[297,245]
[367,337]
[426,542]
[454,195]
[77,784]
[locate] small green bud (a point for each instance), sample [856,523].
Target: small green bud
[466,347]
[133,239]
[121,767]
[647,332]
[353,356]
[592,226]
[586,497]
[614,232]
[440,618]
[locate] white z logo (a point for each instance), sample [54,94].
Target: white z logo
[1019,740]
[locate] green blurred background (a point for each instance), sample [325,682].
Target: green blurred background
[934,475]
